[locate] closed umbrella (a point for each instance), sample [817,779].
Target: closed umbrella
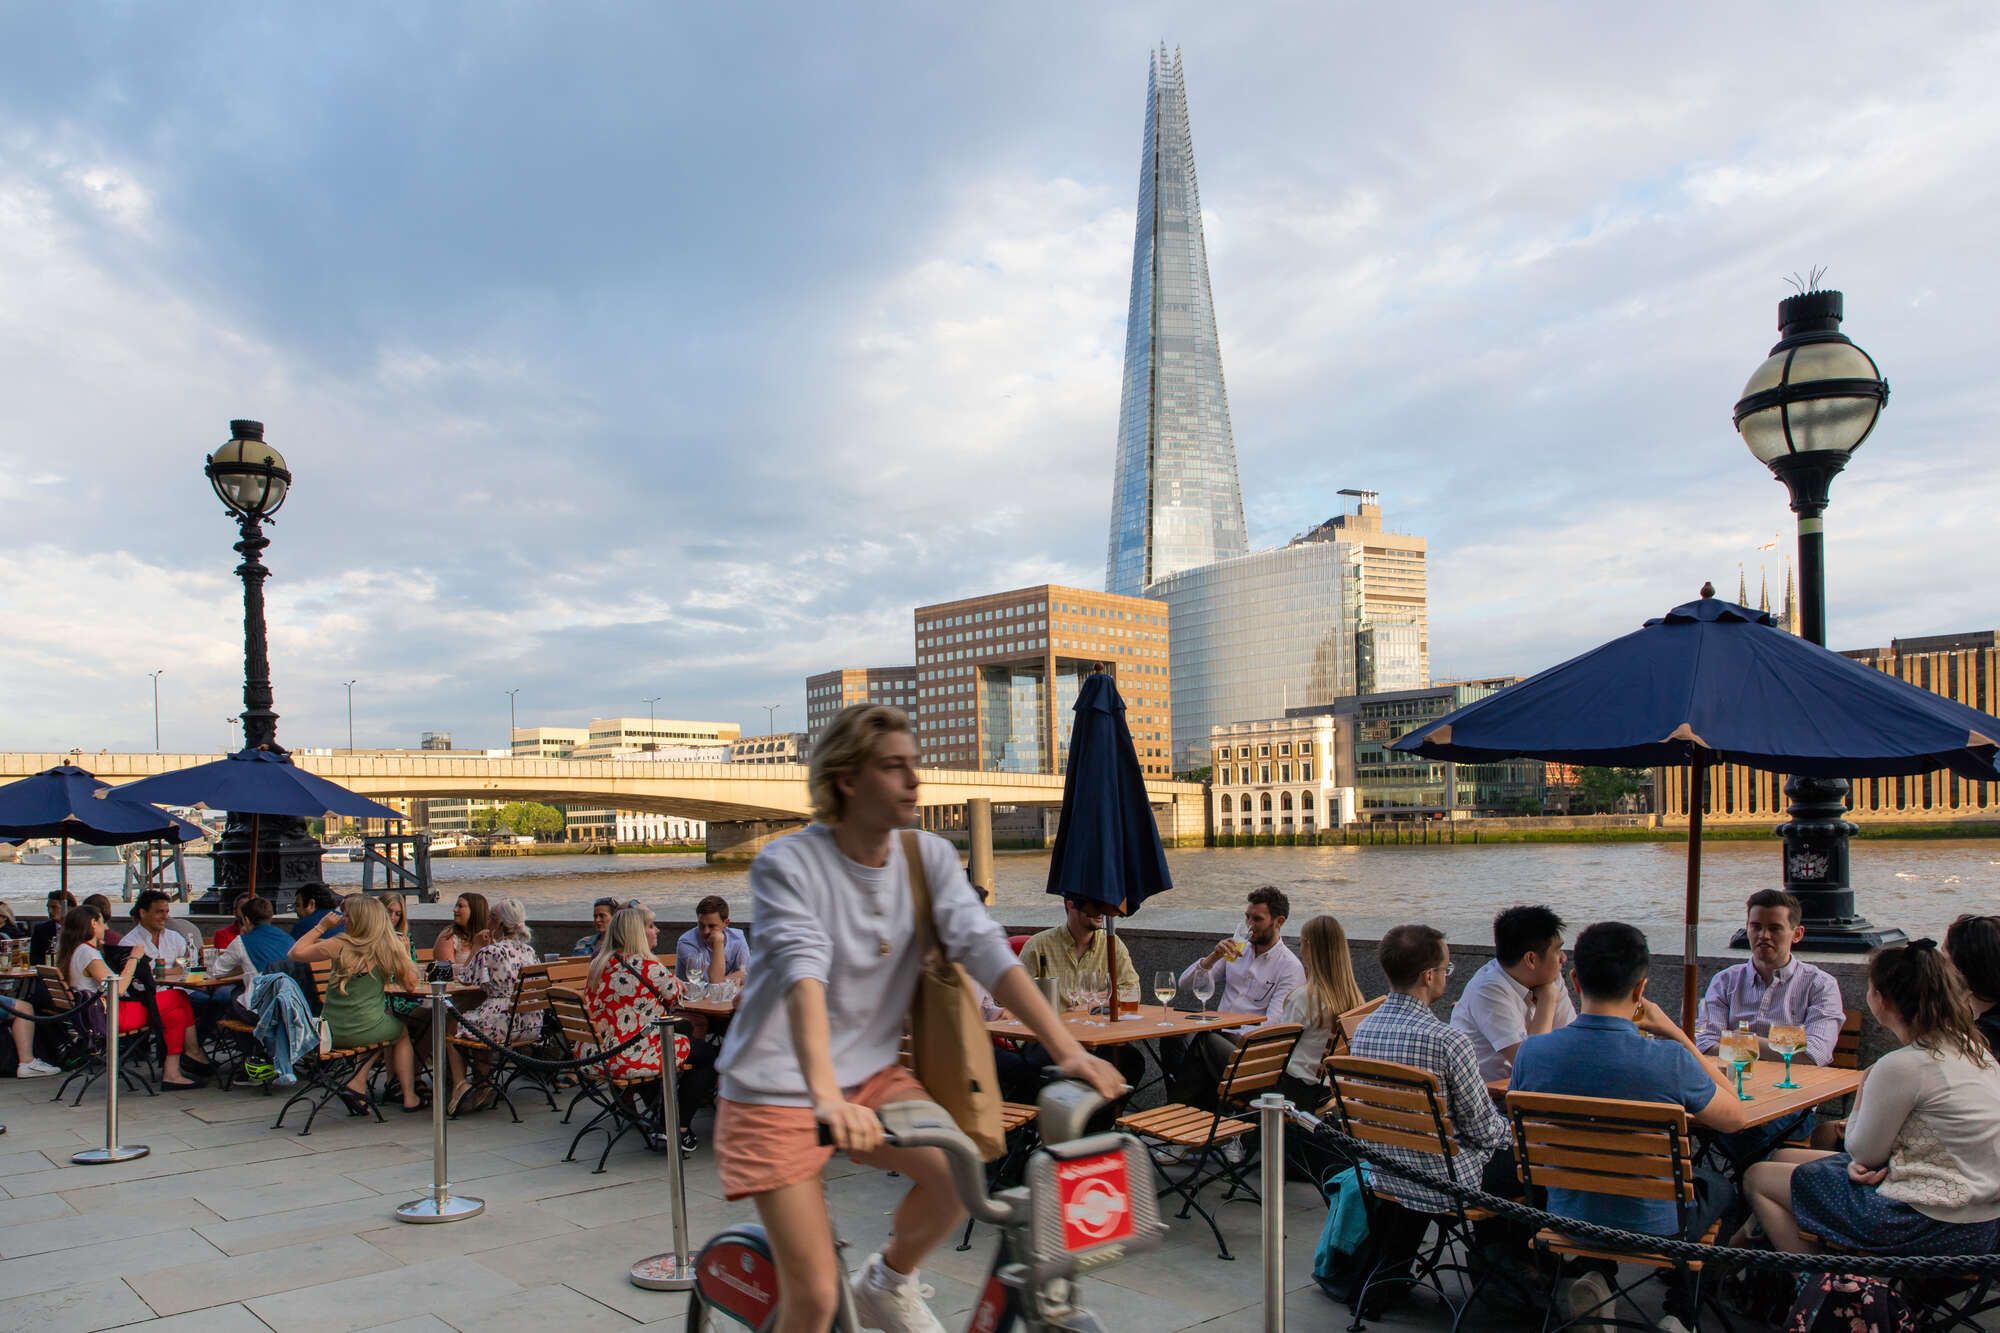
[1108,846]
[258,783]
[1712,682]
[70,804]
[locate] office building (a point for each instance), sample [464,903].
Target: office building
[647,827]
[1277,776]
[1175,499]
[1341,610]
[785,747]
[1964,667]
[548,742]
[612,736]
[1391,785]
[830,691]
[997,676]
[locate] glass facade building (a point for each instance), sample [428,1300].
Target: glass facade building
[1389,784]
[1175,502]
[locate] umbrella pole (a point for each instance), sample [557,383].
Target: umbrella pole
[1111,966]
[65,866]
[1697,797]
[255,820]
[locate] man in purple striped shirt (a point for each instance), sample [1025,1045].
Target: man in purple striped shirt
[1773,988]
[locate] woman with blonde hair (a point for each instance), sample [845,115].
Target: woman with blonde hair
[367,957]
[626,991]
[1329,991]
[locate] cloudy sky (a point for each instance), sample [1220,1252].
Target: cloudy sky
[631,350]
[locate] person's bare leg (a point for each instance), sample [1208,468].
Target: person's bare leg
[24,1034]
[928,1213]
[802,1246]
[1769,1185]
[403,1060]
[359,1083]
[1787,1157]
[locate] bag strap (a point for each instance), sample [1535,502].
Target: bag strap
[643,980]
[920,894]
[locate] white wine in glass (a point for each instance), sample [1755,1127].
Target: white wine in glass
[1165,986]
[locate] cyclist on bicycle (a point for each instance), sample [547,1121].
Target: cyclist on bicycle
[818,1032]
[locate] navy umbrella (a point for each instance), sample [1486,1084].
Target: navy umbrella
[1108,845]
[1711,683]
[68,803]
[258,783]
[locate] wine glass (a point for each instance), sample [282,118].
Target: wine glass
[1165,986]
[1740,1054]
[1204,986]
[1072,996]
[1788,1039]
[694,990]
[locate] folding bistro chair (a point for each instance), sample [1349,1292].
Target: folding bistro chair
[1401,1106]
[1300,1152]
[139,1050]
[497,1070]
[619,1109]
[323,1077]
[1635,1150]
[1204,1135]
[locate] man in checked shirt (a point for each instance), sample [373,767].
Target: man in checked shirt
[1418,965]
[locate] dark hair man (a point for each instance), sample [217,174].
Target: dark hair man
[712,949]
[1602,1054]
[313,901]
[1518,993]
[1251,978]
[42,939]
[1072,953]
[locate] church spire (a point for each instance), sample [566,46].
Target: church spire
[1763,590]
[1791,620]
[1742,588]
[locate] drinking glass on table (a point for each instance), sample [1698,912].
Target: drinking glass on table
[1203,987]
[1128,996]
[1165,986]
[1788,1040]
[694,990]
[1740,1054]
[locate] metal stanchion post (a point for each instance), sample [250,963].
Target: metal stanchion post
[440,1205]
[1271,1110]
[674,1270]
[113,1150]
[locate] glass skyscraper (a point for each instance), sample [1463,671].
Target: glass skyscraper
[1175,500]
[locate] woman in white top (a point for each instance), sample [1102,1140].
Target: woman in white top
[1329,991]
[82,964]
[1921,1174]
[815,1040]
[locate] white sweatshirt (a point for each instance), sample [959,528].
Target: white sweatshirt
[816,914]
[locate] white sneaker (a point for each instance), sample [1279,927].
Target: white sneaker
[1166,1154]
[1671,1324]
[1233,1151]
[890,1302]
[36,1069]
[1586,1302]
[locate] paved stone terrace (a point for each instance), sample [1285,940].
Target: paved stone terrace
[231,1225]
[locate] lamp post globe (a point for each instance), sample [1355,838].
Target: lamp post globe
[252,481]
[1803,413]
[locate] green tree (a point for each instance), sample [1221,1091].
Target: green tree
[1600,789]
[483,821]
[1202,774]
[532,818]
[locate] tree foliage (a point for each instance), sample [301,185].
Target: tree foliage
[1600,789]
[531,818]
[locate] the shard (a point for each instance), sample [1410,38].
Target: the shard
[1175,502]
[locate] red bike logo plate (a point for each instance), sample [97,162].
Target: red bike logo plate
[1096,1197]
[739,1281]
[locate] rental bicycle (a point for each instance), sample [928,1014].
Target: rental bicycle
[1087,1201]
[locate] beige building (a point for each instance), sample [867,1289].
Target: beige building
[1277,776]
[609,736]
[667,740]
[997,676]
[549,742]
[1395,582]
[830,691]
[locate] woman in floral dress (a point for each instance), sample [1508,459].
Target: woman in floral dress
[628,988]
[496,970]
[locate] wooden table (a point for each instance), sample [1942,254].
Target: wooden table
[1817,1084]
[201,981]
[707,1008]
[1152,1021]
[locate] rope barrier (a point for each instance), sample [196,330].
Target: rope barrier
[551,1066]
[8,1006]
[1671,1247]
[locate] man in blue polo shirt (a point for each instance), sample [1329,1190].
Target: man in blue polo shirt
[1603,1054]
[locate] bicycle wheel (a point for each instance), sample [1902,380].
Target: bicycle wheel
[700,1319]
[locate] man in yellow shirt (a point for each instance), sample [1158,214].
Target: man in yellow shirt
[1071,953]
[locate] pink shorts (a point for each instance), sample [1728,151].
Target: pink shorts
[761,1148]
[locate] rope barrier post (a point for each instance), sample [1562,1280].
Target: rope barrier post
[113,1150]
[674,1270]
[441,1205]
[1271,1112]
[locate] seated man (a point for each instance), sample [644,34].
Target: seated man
[1404,1030]
[42,939]
[1070,954]
[601,913]
[1518,993]
[712,949]
[1602,1054]
[313,901]
[1251,980]
[1772,988]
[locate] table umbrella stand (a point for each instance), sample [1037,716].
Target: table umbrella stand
[440,1205]
[674,1270]
[113,1150]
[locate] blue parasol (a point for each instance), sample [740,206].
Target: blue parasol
[68,803]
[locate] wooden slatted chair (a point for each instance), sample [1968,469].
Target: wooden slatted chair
[1400,1106]
[139,1050]
[324,1077]
[1204,1136]
[496,1071]
[1634,1150]
[619,1109]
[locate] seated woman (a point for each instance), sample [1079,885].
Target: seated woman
[399,919]
[10,928]
[366,956]
[80,957]
[103,906]
[627,989]
[1919,1175]
[1329,991]
[466,934]
[496,969]
[1973,945]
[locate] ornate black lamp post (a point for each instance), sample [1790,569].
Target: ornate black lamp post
[251,479]
[1803,414]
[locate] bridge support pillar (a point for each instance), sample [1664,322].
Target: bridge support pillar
[742,839]
[979,845]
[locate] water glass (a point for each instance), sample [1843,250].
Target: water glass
[694,990]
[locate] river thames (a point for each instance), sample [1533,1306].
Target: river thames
[1918,885]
